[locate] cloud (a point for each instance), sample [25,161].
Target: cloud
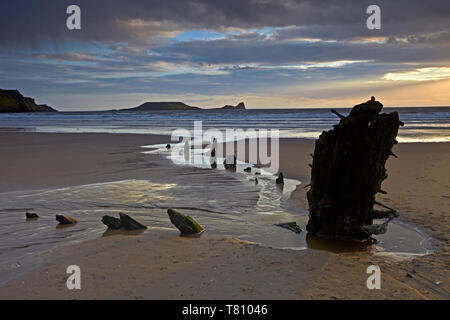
[421,74]
[273,51]
[31,23]
[68,56]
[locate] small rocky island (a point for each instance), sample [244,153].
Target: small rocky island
[152,106]
[14,101]
[239,106]
[159,106]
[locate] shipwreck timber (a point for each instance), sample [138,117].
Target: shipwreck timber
[347,171]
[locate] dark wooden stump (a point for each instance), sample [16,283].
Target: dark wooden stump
[347,171]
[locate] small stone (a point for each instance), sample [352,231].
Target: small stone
[290,226]
[280,179]
[230,162]
[65,219]
[248,169]
[111,222]
[31,215]
[168,146]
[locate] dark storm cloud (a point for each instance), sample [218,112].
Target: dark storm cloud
[30,22]
[141,30]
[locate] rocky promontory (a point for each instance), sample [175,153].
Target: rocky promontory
[14,101]
[239,106]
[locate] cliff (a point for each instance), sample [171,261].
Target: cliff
[14,101]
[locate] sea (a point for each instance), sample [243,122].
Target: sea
[422,124]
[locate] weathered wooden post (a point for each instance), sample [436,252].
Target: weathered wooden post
[347,171]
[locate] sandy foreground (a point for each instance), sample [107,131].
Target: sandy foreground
[160,264]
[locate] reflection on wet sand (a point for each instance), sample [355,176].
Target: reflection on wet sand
[336,246]
[115,232]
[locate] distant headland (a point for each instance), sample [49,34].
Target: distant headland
[14,101]
[157,106]
[151,106]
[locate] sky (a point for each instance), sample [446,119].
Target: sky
[208,53]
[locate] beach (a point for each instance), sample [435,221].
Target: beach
[160,264]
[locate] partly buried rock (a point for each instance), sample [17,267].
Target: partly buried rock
[280,179]
[65,219]
[248,169]
[111,222]
[31,215]
[129,223]
[185,224]
[290,226]
[168,146]
[125,222]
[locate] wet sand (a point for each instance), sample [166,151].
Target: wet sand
[48,160]
[159,264]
